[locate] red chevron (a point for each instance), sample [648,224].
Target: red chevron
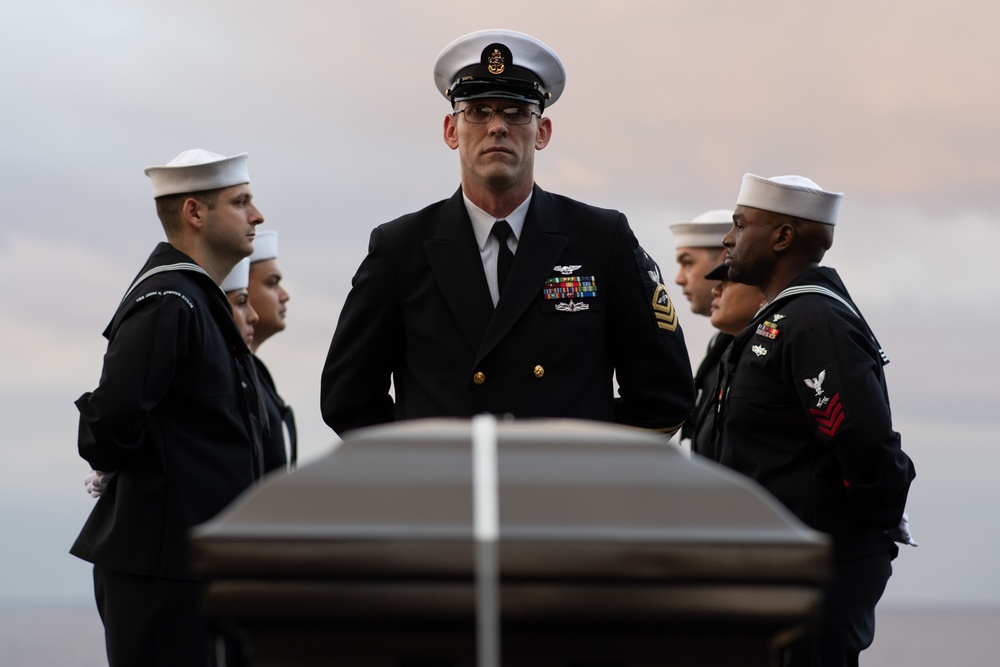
[830,419]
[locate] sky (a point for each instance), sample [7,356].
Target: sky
[667,104]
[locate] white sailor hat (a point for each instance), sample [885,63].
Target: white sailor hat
[265,246]
[499,63]
[705,231]
[796,196]
[239,277]
[197,170]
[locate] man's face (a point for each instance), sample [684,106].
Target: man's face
[268,298]
[230,226]
[243,313]
[750,247]
[496,156]
[693,264]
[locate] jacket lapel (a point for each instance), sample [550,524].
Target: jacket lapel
[455,261]
[538,250]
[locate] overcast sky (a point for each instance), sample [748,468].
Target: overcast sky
[667,105]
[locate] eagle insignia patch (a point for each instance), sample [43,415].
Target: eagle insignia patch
[816,383]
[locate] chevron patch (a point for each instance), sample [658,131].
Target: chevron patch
[830,418]
[663,309]
[656,292]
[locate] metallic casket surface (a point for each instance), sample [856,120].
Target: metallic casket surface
[614,549]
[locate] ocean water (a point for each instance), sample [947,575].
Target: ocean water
[920,637]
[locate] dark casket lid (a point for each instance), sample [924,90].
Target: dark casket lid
[578,500]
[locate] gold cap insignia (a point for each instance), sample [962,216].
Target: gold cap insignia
[494,63]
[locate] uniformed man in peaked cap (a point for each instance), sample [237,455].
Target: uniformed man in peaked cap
[505,298]
[174,428]
[804,405]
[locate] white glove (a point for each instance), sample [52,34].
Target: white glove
[97,481]
[901,533]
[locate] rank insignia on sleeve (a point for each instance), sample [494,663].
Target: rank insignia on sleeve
[663,309]
[829,415]
[816,383]
[768,330]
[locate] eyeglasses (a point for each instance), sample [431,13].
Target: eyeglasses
[483,114]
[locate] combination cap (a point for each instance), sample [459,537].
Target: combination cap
[499,63]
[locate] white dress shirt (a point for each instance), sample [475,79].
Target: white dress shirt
[482,225]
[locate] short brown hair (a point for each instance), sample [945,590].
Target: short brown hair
[168,207]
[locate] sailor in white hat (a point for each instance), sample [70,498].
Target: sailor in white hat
[269,299]
[804,407]
[167,430]
[698,250]
[793,211]
[189,201]
[267,294]
[506,298]
[235,287]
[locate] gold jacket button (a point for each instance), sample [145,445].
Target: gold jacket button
[539,371]
[479,377]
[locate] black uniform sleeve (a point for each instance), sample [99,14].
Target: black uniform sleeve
[357,374]
[139,367]
[839,379]
[655,385]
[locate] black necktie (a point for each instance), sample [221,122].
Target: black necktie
[505,257]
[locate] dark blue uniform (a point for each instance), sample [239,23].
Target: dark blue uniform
[805,413]
[583,303]
[176,415]
[698,429]
[280,419]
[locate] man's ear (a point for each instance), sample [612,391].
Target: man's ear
[783,235]
[451,131]
[544,133]
[193,213]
